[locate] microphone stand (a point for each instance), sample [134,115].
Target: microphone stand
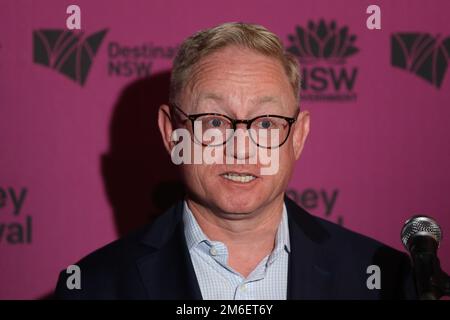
[437,284]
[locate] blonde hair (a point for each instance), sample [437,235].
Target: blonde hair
[250,36]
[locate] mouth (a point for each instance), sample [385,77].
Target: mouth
[243,177]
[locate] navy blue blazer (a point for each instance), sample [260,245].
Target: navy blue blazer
[326,262]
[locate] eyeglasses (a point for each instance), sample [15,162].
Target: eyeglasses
[266,131]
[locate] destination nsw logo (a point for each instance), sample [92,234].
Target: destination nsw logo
[323,50]
[68,52]
[136,60]
[422,54]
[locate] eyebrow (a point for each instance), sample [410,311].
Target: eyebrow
[266,99]
[210,96]
[257,101]
[220,99]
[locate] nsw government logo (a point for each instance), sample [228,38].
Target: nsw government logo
[421,54]
[323,50]
[68,52]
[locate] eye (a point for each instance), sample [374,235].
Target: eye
[215,123]
[265,123]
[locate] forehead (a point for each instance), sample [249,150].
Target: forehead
[238,74]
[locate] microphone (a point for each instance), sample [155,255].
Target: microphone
[421,236]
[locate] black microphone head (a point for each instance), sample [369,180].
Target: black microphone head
[420,226]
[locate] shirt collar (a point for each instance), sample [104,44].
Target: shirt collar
[194,234]
[192,231]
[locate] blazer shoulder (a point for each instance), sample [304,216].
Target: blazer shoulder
[132,246]
[114,265]
[350,252]
[101,270]
[118,252]
[331,234]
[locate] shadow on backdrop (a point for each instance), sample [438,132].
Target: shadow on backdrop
[140,180]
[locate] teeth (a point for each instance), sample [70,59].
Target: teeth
[243,178]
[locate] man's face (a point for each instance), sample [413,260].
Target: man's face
[241,84]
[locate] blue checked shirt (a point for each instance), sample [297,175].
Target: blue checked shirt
[218,281]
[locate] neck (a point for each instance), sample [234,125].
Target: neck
[249,238]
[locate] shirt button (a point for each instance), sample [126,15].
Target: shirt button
[243,287]
[213,251]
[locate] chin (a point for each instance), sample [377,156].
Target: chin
[239,203]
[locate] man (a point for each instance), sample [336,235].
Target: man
[236,235]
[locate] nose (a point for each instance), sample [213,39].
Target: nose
[240,146]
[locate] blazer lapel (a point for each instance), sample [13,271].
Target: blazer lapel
[167,272]
[309,275]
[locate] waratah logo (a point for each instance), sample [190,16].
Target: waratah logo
[323,50]
[422,54]
[322,41]
[68,52]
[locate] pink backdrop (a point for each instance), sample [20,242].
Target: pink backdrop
[90,158]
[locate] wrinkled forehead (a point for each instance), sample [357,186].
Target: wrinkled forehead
[238,80]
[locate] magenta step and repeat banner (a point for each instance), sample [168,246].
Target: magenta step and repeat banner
[81,161]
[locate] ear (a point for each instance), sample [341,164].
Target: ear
[165,126]
[301,131]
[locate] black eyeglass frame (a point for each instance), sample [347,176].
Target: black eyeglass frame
[235,122]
